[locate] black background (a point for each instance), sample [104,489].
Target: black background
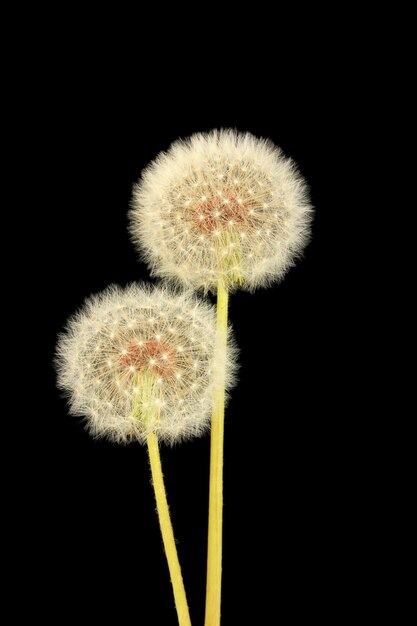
[288,457]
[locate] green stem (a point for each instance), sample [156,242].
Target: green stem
[167,532]
[214,554]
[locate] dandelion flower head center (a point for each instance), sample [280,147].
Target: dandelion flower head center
[221,195]
[158,357]
[218,212]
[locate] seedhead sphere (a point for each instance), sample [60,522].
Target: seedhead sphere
[221,206]
[135,361]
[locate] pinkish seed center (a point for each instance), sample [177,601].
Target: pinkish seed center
[218,212]
[152,354]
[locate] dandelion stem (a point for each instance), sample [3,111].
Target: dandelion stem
[167,532]
[214,555]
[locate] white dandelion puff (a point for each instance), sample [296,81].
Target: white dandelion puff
[137,361]
[221,206]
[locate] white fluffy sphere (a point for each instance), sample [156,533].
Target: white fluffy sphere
[221,206]
[139,360]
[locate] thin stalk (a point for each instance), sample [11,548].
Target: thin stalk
[167,532]
[214,554]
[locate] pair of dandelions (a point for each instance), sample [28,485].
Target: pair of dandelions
[215,213]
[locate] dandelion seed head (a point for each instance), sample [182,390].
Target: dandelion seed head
[125,381]
[212,190]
